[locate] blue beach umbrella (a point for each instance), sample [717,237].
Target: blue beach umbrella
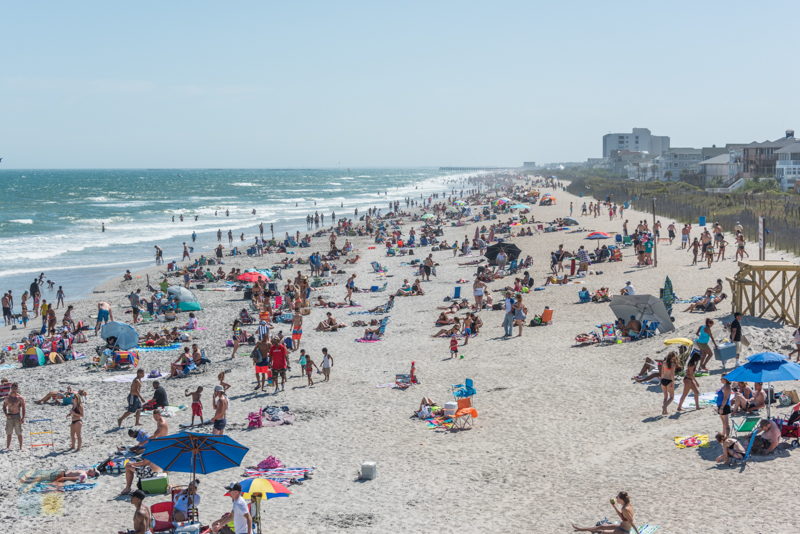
[127,337]
[188,452]
[766,367]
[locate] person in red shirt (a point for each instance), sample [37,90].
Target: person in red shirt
[278,361]
[453,347]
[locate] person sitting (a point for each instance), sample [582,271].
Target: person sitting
[769,434]
[706,304]
[601,295]
[141,438]
[330,324]
[142,468]
[405,290]
[649,371]
[192,324]
[186,501]
[750,401]
[717,289]
[178,366]
[245,317]
[416,288]
[352,260]
[632,328]
[383,308]
[427,408]
[731,449]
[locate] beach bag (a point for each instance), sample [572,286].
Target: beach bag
[229,343]
[254,420]
[270,462]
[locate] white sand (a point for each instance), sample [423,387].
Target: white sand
[560,429]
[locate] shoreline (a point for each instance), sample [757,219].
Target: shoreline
[560,428]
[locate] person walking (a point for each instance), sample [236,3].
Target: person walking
[220,404]
[327,364]
[508,319]
[14,410]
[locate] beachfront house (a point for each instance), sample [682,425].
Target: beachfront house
[787,166]
[760,159]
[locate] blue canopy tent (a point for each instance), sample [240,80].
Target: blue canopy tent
[766,367]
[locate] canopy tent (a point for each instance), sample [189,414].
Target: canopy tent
[511,250]
[643,308]
[766,367]
[185,298]
[33,357]
[126,335]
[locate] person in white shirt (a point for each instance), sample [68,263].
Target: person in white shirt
[185,501]
[628,289]
[242,520]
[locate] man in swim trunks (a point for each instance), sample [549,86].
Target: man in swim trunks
[14,410]
[135,399]
[104,314]
[220,403]
[297,330]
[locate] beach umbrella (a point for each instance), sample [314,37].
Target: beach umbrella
[252,276]
[520,207]
[685,341]
[427,216]
[460,203]
[643,307]
[268,488]
[569,221]
[127,336]
[766,367]
[511,250]
[187,301]
[598,235]
[667,295]
[189,452]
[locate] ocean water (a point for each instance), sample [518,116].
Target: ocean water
[50,220]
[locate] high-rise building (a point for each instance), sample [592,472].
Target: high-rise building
[639,140]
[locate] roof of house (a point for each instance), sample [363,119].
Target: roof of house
[790,148]
[717,160]
[683,150]
[778,143]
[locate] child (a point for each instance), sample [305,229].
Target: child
[221,378]
[453,347]
[327,363]
[309,368]
[197,404]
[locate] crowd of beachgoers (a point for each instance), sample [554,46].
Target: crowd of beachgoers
[502,307]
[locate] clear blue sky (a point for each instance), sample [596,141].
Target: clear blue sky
[384,83]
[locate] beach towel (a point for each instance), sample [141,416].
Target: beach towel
[386,385]
[648,529]
[697,440]
[165,347]
[706,399]
[168,411]
[364,340]
[47,487]
[6,366]
[284,475]
[29,505]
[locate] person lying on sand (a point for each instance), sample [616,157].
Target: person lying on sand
[455,307]
[447,332]
[351,261]
[443,319]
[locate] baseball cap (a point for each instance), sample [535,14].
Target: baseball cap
[219,388]
[235,486]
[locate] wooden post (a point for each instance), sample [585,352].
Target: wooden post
[655,241]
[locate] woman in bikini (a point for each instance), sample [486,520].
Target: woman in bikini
[731,449]
[667,377]
[723,402]
[625,515]
[76,421]
[690,384]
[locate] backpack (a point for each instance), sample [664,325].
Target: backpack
[254,420]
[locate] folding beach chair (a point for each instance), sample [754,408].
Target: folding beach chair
[608,333]
[161,512]
[649,329]
[584,296]
[627,241]
[377,267]
[457,293]
[462,391]
[744,425]
[743,461]
[465,414]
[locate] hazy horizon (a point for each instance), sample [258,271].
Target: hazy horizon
[375,85]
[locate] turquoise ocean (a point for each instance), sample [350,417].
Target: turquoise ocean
[51,220]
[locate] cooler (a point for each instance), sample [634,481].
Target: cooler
[156,485]
[450,409]
[369,470]
[725,351]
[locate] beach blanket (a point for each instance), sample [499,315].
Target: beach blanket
[439,422]
[706,399]
[284,475]
[697,440]
[167,411]
[648,529]
[386,385]
[363,340]
[48,487]
[165,347]
[276,416]
[690,300]
[6,366]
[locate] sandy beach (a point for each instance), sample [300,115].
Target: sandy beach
[560,429]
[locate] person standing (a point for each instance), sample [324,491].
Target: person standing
[24,305]
[197,403]
[427,267]
[667,379]
[723,402]
[14,410]
[135,301]
[7,318]
[35,295]
[297,329]
[135,400]
[327,363]
[60,297]
[185,252]
[239,514]
[736,334]
[159,255]
[278,361]
[704,335]
[220,404]
[508,319]
[104,315]
[76,421]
